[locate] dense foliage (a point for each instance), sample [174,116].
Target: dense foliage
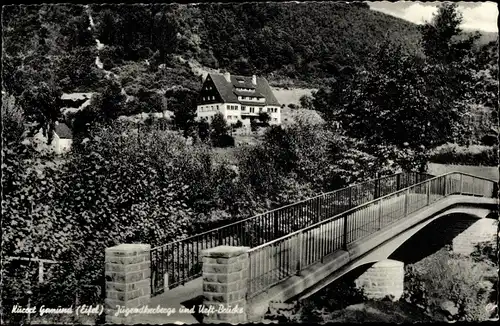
[474,155]
[262,38]
[445,277]
[401,101]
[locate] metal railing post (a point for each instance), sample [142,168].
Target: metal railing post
[345,232]
[318,209]
[445,183]
[428,190]
[350,197]
[461,183]
[407,192]
[380,215]
[249,281]
[299,254]
[276,225]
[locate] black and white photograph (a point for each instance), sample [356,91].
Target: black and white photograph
[249,162]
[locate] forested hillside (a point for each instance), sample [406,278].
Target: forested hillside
[302,42]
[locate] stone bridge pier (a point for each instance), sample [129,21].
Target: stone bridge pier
[483,230]
[385,278]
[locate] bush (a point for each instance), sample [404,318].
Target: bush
[323,305]
[445,277]
[238,124]
[118,187]
[225,141]
[472,155]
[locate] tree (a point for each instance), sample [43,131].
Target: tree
[111,102]
[12,120]
[253,124]
[219,128]
[264,118]
[238,124]
[306,102]
[440,37]
[203,129]
[42,106]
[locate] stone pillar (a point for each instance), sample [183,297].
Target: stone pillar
[483,230]
[384,278]
[128,279]
[225,275]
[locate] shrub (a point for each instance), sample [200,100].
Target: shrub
[238,124]
[225,141]
[446,277]
[472,155]
[323,305]
[118,187]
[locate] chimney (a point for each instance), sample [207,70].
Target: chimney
[254,79]
[227,76]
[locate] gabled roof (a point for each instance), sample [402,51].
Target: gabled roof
[63,131]
[228,92]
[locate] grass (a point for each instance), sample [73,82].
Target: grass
[291,95]
[465,155]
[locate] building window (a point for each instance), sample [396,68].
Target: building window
[217,107]
[243,108]
[260,109]
[252,110]
[275,119]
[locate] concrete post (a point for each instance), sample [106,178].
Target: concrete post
[128,279]
[225,276]
[385,278]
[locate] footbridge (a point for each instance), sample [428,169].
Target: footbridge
[293,251]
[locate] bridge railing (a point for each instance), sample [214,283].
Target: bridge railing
[178,262]
[275,261]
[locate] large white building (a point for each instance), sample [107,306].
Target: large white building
[237,98]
